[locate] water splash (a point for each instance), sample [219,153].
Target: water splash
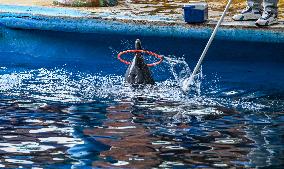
[181,71]
[64,85]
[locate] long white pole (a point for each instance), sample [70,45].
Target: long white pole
[187,82]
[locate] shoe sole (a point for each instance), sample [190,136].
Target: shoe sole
[271,23]
[248,18]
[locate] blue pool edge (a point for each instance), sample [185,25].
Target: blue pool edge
[59,19]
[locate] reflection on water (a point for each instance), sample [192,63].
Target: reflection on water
[57,118]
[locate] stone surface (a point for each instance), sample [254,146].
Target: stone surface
[86,3]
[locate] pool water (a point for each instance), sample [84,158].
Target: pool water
[64,104]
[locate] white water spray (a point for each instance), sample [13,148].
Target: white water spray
[181,71]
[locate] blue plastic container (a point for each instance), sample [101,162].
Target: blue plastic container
[195,12]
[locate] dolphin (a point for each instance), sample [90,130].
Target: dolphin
[138,71]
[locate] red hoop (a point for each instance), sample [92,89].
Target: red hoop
[140,51]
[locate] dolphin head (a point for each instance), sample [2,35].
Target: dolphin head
[138,45]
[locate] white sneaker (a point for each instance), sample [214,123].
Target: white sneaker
[247,14]
[267,18]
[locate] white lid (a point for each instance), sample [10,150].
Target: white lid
[197,5]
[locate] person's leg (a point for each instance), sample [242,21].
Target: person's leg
[252,11]
[269,15]
[255,4]
[271,6]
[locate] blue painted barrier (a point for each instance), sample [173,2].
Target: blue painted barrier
[76,21]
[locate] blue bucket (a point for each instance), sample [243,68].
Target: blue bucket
[195,12]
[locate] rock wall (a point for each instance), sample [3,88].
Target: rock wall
[86,3]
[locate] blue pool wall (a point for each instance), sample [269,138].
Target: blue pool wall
[90,25]
[236,62]
[69,20]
